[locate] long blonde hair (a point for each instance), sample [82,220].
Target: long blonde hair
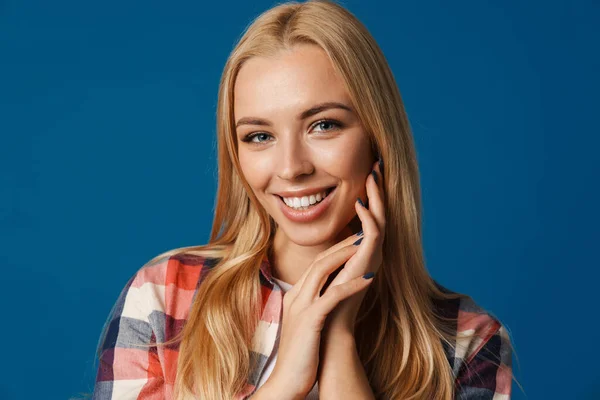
[398,311]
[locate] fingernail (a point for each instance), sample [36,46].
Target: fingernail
[381,165]
[357,242]
[360,201]
[374,175]
[359,233]
[369,275]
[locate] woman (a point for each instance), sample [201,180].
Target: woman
[318,190]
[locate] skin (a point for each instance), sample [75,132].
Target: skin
[286,153]
[293,154]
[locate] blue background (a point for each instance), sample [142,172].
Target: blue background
[108,158]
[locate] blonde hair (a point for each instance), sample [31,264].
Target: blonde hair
[398,310]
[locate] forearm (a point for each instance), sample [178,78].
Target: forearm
[341,373]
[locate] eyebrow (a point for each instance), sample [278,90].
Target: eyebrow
[303,115]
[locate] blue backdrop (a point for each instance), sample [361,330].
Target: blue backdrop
[108,158]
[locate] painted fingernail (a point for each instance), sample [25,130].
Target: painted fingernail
[359,233]
[369,275]
[357,242]
[381,164]
[374,175]
[360,201]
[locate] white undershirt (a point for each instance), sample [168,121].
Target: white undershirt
[314,393]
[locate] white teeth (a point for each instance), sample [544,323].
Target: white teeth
[302,203]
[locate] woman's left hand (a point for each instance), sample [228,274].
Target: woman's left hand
[368,257]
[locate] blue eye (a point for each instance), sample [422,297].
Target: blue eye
[250,137]
[329,122]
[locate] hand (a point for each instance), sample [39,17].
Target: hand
[368,258]
[304,315]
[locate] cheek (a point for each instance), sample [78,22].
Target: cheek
[255,169]
[348,160]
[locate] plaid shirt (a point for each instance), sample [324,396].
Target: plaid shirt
[155,304]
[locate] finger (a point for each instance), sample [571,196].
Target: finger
[375,196]
[370,225]
[380,165]
[319,272]
[368,243]
[334,295]
[361,262]
[346,242]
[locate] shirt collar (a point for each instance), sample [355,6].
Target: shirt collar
[266,270]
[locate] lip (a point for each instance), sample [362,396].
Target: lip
[310,214]
[305,192]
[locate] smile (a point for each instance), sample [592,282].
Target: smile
[306,208]
[304,202]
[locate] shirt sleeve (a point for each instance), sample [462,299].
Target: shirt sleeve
[488,373]
[129,367]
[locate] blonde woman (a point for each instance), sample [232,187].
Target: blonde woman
[318,191]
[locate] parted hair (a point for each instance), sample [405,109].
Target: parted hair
[400,337]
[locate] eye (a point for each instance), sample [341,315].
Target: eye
[327,122]
[330,122]
[250,137]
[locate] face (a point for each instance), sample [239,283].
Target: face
[291,146]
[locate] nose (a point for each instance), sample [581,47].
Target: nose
[294,158]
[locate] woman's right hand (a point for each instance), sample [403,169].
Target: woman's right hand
[304,315]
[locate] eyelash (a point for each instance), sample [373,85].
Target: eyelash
[248,138]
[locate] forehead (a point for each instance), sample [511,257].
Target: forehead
[292,79]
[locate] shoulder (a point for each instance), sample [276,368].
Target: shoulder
[481,357]
[153,305]
[166,285]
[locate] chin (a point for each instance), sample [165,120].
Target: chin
[310,242]
[308,235]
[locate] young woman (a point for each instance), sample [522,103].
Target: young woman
[318,190]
